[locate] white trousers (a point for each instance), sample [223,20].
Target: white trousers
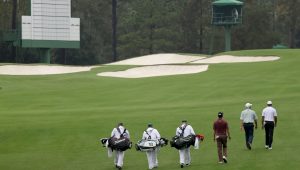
[185,156]
[152,158]
[119,156]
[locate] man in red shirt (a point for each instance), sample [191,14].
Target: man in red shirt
[221,132]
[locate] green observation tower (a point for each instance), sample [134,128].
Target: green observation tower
[227,13]
[48,24]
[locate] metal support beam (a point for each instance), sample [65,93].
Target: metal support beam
[212,39]
[227,38]
[45,55]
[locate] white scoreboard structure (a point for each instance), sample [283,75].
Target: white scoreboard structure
[50,25]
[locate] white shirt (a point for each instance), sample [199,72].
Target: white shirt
[248,116]
[115,133]
[187,131]
[153,133]
[269,113]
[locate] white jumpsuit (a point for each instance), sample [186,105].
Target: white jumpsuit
[119,155]
[184,153]
[152,155]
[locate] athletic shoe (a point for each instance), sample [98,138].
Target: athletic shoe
[220,162]
[181,165]
[119,168]
[270,148]
[266,146]
[224,159]
[248,145]
[187,164]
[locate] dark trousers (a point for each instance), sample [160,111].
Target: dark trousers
[249,128]
[222,146]
[269,129]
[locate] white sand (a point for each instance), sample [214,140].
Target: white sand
[164,70]
[156,59]
[153,71]
[148,71]
[234,59]
[40,69]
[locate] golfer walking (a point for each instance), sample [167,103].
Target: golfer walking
[118,132]
[248,120]
[221,132]
[184,130]
[151,134]
[269,122]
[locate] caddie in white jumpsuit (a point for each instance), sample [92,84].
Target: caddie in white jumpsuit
[185,130]
[119,155]
[153,134]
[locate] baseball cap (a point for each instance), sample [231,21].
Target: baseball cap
[220,114]
[269,102]
[150,125]
[248,105]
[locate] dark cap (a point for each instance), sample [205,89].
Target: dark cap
[184,121]
[150,125]
[220,114]
[120,124]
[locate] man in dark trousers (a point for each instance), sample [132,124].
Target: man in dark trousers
[269,121]
[248,120]
[221,132]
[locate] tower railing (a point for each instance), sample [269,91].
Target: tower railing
[221,19]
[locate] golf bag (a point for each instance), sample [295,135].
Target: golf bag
[150,145]
[121,144]
[182,142]
[104,142]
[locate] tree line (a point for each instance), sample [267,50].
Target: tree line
[120,29]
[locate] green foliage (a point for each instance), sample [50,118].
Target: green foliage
[255,26]
[154,26]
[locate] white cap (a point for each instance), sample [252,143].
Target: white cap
[269,102]
[248,105]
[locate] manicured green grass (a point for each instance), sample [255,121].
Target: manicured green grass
[54,122]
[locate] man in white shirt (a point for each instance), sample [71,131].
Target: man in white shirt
[184,130]
[118,132]
[269,122]
[248,118]
[151,134]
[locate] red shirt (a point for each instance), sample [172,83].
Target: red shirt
[220,127]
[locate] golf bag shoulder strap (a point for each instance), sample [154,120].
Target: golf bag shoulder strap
[121,134]
[182,129]
[149,136]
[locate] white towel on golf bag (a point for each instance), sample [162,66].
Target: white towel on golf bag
[196,145]
[109,150]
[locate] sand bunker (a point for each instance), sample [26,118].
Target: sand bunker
[164,70]
[157,59]
[161,60]
[153,71]
[40,70]
[234,59]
